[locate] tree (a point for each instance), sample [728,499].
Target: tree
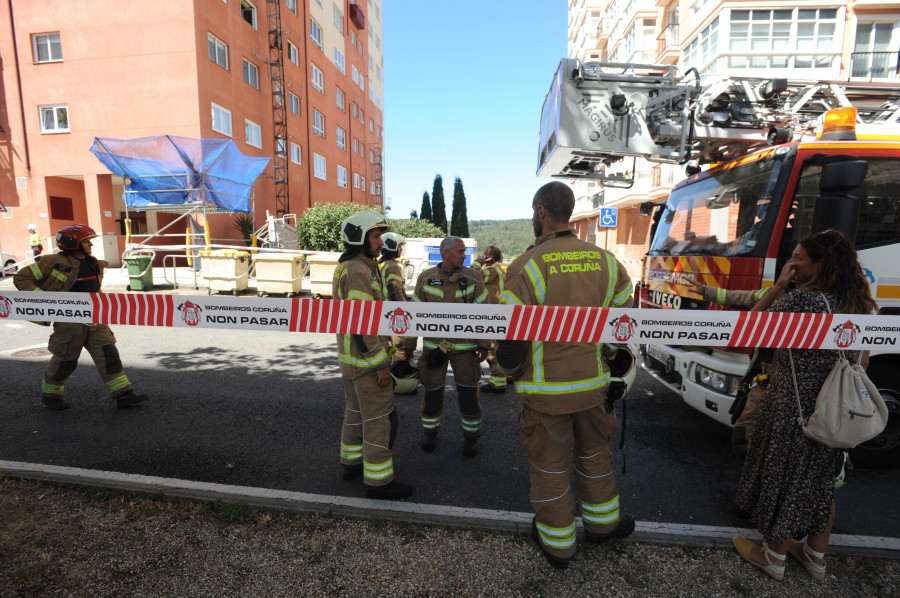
[459,220]
[425,212]
[438,209]
[413,214]
[319,228]
[414,228]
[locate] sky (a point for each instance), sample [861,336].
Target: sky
[464,83]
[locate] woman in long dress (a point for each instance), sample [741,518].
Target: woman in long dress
[787,484]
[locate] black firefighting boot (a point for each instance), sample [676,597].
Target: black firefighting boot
[470,414]
[129,398]
[350,472]
[432,409]
[393,491]
[54,402]
[470,448]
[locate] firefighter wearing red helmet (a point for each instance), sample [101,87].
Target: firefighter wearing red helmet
[75,269]
[370,419]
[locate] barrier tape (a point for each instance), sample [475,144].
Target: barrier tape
[454,320]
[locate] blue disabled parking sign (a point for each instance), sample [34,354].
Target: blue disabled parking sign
[608,217]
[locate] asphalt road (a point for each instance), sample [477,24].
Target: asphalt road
[264,409]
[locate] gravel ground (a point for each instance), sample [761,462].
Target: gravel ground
[58,540]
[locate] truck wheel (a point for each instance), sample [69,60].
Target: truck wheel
[8,269]
[883,450]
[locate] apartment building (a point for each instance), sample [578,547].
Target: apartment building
[821,40]
[298,81]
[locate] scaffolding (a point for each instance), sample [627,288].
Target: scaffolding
[279,115]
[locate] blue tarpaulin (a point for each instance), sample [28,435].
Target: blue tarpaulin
[181,171]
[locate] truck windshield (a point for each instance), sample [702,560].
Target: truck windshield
[719,215]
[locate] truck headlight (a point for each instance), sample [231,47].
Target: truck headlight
[719,382]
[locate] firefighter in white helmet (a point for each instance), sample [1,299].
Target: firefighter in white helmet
[451,282]
[370,420]
[565,387]
[74,269]
[406,378]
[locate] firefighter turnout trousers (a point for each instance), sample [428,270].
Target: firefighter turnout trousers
[65,345]
[369,413]
[547,440]
[498,378]
[467,371]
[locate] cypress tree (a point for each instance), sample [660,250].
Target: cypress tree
[459,220]
[438,208]
[425,212]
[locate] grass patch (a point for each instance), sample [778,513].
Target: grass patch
[376,524]
[229,513]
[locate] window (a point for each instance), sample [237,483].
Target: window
[362,82]
[61,208]
[47,47]
[342,176]
[338,19]
[378,102]
[252,133]
[371,157]
[341,137]
[319,167]
[363,183]
[353,38]
[221,119]
[355,145]
[872,56]
[378,131]
[251,74]
[354,74]
[248,12]
[318,79]
[703,47]
[294,103]
[293,54]
[279,148]
[378,41]
[355,180]
[315,33]
[291,5]
[296,156]
[318,123]
[378,72]
[218,51]
[371,126]
[788,31]
[354,110]
[339,99]
[339,60]
[55,118]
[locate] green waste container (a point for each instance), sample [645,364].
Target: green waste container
[140,271]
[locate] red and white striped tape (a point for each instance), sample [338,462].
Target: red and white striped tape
[450,320]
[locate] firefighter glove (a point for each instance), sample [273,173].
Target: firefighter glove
[436,357]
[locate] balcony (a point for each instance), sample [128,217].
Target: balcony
[667,45]
[874,65]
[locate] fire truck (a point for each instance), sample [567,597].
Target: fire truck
[784,158]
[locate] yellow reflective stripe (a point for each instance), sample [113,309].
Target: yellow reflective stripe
[471,425]
[429,344]
[537,360]
[351,452]
[49,388]
[363,362]
[509,298]
[613,278]
[624,296]
[721,296]
[378,471]
[430,423]
[463,346]
[481,298]
[540,387]
[359,296]
[601,514]
[433,291]
[36,270]
[498,381]
[58,275]
[537,281]
[757,295]
[117,383]
[557,537]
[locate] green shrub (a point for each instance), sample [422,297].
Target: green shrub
[319,228]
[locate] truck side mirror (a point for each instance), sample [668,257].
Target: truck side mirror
[836,208]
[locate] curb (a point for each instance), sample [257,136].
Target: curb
[418,513]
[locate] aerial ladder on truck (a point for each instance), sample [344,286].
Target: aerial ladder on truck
[774,176]
[597,114]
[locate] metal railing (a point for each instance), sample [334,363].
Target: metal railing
[874,65]
[668,38]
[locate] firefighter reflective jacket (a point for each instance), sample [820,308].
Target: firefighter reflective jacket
[493,281]
[356,278]
[560,269]
[54,272]
[394,283]
[461,286]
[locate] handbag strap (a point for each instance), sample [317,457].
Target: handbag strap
[800,419]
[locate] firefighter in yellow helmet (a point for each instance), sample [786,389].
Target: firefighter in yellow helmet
[74,269]
[406,378]
[370,420]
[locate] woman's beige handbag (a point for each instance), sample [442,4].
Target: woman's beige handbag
[849,409]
